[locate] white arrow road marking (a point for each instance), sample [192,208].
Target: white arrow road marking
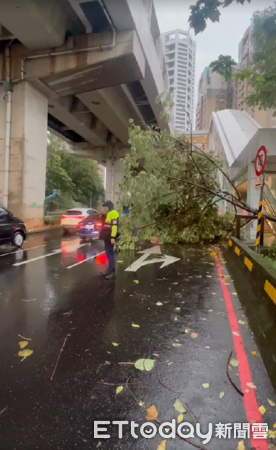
[54,252]
[87,259]
[166,259]
[22,250]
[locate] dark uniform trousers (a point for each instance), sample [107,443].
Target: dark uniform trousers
[109,250]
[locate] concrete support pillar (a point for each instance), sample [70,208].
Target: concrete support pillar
[2,140]
[27,159]
[114,176]
[253,198]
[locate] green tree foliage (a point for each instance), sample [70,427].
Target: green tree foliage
[172,191]
[77,179]
[262,74]
[208,9]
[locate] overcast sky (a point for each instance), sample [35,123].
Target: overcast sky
[218,39]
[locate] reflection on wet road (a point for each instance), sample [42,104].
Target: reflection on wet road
[188,316]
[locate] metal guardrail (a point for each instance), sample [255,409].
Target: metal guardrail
[243,220]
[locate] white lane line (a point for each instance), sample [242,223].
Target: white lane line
[23,250]
[54,252]
[81,262]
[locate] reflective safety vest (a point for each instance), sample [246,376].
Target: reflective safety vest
[110,226]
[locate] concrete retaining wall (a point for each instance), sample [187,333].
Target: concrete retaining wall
[256,265]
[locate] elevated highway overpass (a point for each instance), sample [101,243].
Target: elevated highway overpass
[81,69]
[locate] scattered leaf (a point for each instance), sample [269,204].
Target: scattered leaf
[135,326]
[241,446]
[235,333]
[25,353]
[115,344]
[209,276]
[179,407]
[176,345]
[99,444]
[262,410]
[205,385]
[221,395]
[109,353]
[193,335]
[180,418]
[274,426]
[242,322]
[23,344]
[177,309]
[234,362]
[254,353]
[271,446]
[247,391]
[145,364]
[187,331]
[175,283]
[152,413]
[162,445]
[107,363]
[170,363]
[251,385]
[142,404]
[136,281]
[214,255]
[121,262]
[271,434]
[235,293]
[159,304]
[271,402]
[119,389]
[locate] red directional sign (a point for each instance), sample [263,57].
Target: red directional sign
[260,161]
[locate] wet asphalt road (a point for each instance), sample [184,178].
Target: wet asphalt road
[53,292]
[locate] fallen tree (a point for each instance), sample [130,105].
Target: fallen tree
[172,189]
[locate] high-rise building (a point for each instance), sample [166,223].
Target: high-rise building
[180,54]
[214,94]
[264,118]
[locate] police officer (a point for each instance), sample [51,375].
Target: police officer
[108,234]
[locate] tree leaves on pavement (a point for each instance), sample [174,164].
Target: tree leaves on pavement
[145,364]
[119,389]
[241,446]
[176,345]
[221,395]
[25,353]
[205,385]
[152,413]
[115,344]
[251,385]
[23,344]
[234,362]
[262,410]
[194,335]
[178,406]
[159,304]
[162,445]
[135,326]
[271,402]
[180,418]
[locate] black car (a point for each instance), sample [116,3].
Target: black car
[12,230]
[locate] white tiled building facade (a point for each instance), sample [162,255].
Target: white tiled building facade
[180,54]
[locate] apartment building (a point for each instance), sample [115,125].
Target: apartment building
[180,54]
[264,118]
[214,94]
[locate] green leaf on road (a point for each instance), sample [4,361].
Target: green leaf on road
[176,345]
[159,304]
[179,407]
[221,395]
[115,344]
[234,362]
[119,389]
[145,364]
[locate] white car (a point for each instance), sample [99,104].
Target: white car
[72,217]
